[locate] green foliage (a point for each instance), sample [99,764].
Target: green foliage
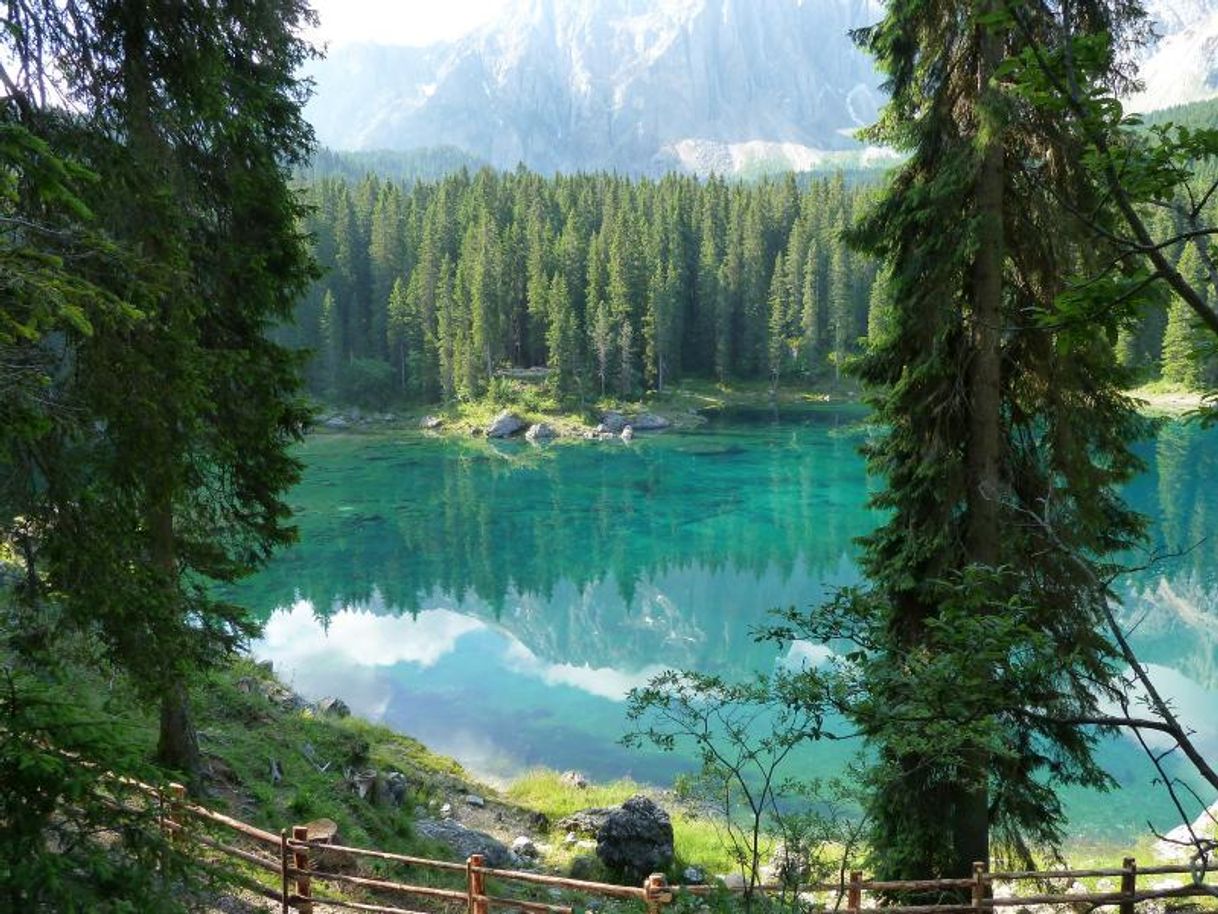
[73,840]
[148,242]
[637,284]
[368,383]
[1004,440]
[743,734]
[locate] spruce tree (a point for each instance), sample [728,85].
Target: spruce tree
[1000,475]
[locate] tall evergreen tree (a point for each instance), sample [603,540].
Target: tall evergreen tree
[997,493]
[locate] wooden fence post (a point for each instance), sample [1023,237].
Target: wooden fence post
[283,867]
[656,893]
[1129,884]
[475,884]
[979,871]
[300,860]
[854,897]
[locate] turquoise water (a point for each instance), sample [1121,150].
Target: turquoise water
[498,600]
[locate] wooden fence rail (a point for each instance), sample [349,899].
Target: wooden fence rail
[292,856]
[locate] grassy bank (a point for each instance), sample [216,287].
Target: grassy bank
[683,404]
[276,766]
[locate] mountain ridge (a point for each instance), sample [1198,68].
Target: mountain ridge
[649,86]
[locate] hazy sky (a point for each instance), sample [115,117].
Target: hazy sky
[400,21]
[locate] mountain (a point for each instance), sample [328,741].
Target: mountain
[630,85]
[644,86]
[1181,65]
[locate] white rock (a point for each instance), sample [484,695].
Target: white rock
[504,425]
[446,811]
[573,779]
[524,847]
[542,431]
[627,433]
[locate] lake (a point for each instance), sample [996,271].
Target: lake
[497,600]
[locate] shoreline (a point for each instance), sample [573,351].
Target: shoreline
[445,789]
[682,409]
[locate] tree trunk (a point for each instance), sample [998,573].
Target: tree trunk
[178,745]
[971,822]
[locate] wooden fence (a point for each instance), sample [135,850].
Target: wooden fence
[303,878]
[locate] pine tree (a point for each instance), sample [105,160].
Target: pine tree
[982,434]
[562,341]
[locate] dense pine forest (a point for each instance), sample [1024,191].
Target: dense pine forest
[617,285]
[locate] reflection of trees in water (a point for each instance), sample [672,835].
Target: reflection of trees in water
[587,554]
[1185,514]
[1175,623]
[1174,604]
[662,553]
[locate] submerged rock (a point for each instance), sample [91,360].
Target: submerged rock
[628,433]
[431,423]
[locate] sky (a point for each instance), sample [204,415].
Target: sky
[412,22]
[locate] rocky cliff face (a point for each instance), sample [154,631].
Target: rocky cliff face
[619,84]
[648,85]
[1181,66]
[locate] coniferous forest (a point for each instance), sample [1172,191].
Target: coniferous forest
[617,285]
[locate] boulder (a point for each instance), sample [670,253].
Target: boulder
[573,779]
[474,800]
[446,811]
[272,691]
[525,848]
[693,876]
[649,422]
[583,866]
[431,423]
[332,707]
[465,841]
[613,422]
[627,433]
[542,431]
[395,787]
[383,789]
[790,864]
[504,425]
[586,821]
[636,839]
[336,422]
[539,821]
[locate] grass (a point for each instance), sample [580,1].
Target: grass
[240,732]
[698,840]
[680,403]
